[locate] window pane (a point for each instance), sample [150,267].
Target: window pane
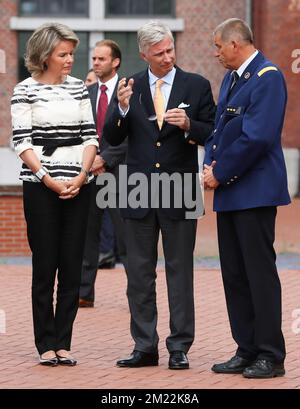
[80,66]
[22,70]
[117,7]
[162,7]
[131,61]
[139,7]
[29,7]
[78,7]
[54,7]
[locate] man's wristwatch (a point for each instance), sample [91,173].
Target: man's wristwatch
[41,173]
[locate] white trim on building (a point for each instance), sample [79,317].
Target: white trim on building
[10,166]
[92,24]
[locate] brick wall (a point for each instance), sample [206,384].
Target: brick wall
[8,43]
[194,47]
[277,29]
[13,238]
[276,25]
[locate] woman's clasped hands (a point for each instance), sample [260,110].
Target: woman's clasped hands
[66,189]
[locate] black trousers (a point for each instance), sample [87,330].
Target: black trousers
[178,239]
[92,243]
[251,282]
[56,233]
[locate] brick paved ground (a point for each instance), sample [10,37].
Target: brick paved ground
[101,334]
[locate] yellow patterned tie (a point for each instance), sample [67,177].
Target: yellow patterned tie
[159,103]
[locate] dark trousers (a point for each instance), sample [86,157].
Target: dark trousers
[251,282]
[178,238]
[107,234]
[56,232]
[110,241]
[92,243]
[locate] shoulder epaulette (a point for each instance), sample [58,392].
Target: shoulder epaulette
[266,69]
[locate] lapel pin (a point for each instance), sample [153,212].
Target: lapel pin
[247,75]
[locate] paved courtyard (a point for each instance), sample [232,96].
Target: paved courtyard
[101,335]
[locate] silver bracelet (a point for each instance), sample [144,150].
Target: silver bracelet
[41,173]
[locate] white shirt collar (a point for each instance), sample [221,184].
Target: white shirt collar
[168,78]
[246,63]
[110,83]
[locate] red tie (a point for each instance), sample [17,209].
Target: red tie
[102,108]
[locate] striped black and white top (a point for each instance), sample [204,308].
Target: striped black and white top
[53,115]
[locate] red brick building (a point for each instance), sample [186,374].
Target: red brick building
[277,30]
[276,25]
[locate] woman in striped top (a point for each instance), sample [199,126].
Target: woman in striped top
[54,135]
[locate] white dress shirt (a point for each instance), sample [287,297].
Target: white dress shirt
[246,63]
[111,84]
[166,86]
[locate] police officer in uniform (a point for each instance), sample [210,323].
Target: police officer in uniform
[245,166]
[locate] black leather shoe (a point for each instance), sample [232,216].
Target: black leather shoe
[236,364]
[178,360]
[106,260]
[138,359]
[262,368]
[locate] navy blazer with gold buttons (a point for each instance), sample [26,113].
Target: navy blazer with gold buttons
[246,141]
[151,150]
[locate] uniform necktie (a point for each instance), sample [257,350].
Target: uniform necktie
[102,108]
[159,103]
[235,78]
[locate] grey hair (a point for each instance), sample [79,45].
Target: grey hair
[235,28]
[42,43]
[152,33]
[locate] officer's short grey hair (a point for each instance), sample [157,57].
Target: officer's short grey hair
[234,28]
[152,33]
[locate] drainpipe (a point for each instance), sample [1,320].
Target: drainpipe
[298,192]
[249,12]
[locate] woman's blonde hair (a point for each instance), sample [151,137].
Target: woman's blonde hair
[42,43]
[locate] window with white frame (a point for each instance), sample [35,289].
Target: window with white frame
[164,8]
[58,8]
[131,61]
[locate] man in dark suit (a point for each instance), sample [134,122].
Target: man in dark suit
[244,163]
[106,61]
[166,113]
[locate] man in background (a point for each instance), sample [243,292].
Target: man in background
[106,62]
[91,78]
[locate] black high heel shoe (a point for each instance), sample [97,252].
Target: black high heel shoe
[48,361]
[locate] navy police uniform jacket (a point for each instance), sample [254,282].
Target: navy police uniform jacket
[246,141]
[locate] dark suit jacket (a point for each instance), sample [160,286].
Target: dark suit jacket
[246,142]
[113,155]
[151,150]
